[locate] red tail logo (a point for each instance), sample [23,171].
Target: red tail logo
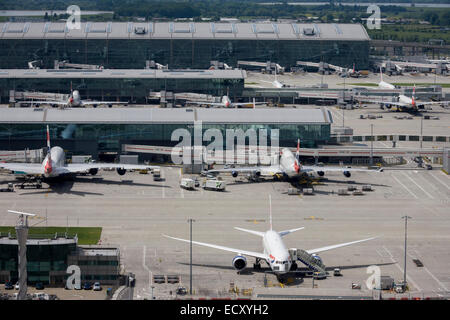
[48,166]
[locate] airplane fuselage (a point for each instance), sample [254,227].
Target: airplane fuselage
[279,258]
[289,164]
[53,161]
[385,85]
[75,99]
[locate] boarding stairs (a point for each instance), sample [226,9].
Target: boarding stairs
[309,260]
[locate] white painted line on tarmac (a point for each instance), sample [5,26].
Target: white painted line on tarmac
[384,144]
[424,191]
[429,272]
[408,278]
[405,187]
[335,113]
[5,216]
[444,184]
[150,274]
[181,189]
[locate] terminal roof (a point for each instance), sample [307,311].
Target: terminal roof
[130,115]
[185,30]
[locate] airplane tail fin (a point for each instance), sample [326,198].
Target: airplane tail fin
[285,232]
[48,139]
[270,212]
[258,233]
[413,96]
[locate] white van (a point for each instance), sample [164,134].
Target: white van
[187,183]
[214,184]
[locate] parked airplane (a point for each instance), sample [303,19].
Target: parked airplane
[75,101]
[383,84]
[289,166]
[276,254]
[54,165]
[403,103]
[226,103]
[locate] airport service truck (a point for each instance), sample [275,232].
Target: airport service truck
[188,184]
[214,184]
[156,174]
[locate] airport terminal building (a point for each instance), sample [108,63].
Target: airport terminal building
[128,45]
[104,131]
[127,85]
[49,257]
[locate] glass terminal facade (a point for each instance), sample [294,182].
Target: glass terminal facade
[121,89]
[42,261]
[180,53]
[99,138]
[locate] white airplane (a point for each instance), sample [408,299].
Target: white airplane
[226,103]
[54,165]
[275,254]
[383,84]
[290,166]
[404,103]
[75,101]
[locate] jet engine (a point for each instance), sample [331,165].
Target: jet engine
[317,258]
[93,171]
[239,263]
[234,174]
[347,174]
[121,171]
[257,173]
[321,173]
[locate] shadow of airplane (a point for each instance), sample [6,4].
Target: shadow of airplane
[100,180]
[351,182]
[299,273]
[62,187]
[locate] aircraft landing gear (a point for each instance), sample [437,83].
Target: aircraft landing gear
[31,182]
[257,264]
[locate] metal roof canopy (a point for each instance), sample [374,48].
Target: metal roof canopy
[123,73]
[185,30]
[166,116]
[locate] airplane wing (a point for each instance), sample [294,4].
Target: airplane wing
[246,103]
[431,102]
[26,168]
[237,251]
[317,250]
[59,103]
[264,170]
[83,167]
[84,102]
[336,169]
[217,104]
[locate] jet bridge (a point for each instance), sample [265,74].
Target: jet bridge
[269,67]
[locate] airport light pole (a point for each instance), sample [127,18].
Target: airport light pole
[406,232]
[421,131]
[22,236]
[371,144]
[190,254]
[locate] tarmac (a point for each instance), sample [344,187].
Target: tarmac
[135,212]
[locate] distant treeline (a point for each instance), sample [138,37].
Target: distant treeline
[244,9]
